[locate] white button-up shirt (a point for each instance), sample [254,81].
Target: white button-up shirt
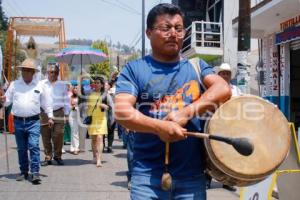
[27,99]
[235,91]
[59,93]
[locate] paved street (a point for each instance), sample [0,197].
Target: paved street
[78,179]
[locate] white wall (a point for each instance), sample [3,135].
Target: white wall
[230,43]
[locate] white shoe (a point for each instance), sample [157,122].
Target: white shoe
[63,151]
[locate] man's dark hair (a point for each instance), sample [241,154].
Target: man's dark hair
[161,9]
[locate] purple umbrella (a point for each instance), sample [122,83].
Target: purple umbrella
[81,56]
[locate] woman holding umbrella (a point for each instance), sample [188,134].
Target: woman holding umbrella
[97,107]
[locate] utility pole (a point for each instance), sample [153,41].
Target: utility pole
[143,28]
[244,37]
[118,62]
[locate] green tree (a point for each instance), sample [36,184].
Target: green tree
[103,67]
[3,25]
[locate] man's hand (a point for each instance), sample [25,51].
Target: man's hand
[2,99]
[170,131]
[66,119]
[50,122]
[103,106]
[181,117]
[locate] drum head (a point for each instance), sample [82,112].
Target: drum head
[259,121]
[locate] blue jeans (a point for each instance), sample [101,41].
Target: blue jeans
[27,134]
[124,136]
[145,187]
[120,131]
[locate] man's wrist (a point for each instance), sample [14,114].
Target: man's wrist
[190,111]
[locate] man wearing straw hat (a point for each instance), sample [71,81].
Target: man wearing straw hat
[226,72]
[27,95]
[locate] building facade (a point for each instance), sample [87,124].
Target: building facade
[216,38]
[277,24]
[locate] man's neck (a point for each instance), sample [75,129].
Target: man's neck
[166,59]
[52,81]
[27,81]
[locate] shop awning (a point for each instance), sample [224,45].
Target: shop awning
[291,34]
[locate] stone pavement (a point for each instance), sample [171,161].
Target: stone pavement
[78,179]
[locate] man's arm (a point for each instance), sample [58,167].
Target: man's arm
[7,98]
[46,101]
[67,100]
[217,93]
[132,119]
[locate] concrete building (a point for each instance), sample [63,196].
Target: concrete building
[277,24]
[210,34]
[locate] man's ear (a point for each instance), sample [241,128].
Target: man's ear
[148,33]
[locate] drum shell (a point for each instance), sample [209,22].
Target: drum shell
[226,171]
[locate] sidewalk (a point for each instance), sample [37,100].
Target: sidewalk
[78,179]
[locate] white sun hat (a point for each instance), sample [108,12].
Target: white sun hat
[225,67]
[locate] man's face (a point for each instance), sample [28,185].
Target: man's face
[27,74]
[53,73]
[226,75]
[166,35]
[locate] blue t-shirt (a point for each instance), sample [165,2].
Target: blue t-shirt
[161,88]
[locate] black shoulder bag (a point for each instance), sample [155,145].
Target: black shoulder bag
[88,119]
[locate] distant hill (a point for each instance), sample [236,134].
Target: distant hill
[80,42]
[119,53]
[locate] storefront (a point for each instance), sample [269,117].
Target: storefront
[281,64]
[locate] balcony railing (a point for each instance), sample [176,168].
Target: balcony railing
[256,2]
[204,35]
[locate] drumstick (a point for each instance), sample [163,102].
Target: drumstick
[166,179]
[242,145]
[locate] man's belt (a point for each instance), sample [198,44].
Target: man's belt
[58,109]
[34,117]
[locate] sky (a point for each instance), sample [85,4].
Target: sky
[115,20]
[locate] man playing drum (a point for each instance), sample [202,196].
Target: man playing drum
[159,96]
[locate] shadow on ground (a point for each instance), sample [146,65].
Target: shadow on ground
[13,176]
[121,155]
[122,184]
[121,173]
[76,162]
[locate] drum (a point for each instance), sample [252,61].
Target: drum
[259,121]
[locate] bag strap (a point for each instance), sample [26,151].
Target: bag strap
[95,106]
[196,65]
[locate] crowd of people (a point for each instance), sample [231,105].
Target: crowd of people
[46,107]
[154,101]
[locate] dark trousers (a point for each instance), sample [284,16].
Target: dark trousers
[110,135]
[53,138]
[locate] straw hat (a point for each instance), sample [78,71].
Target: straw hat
[29,63]
[225,67]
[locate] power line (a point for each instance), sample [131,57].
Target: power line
[121,7]
[138,41]
[135,38]
[19,8]
[13,9]
[127,6]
